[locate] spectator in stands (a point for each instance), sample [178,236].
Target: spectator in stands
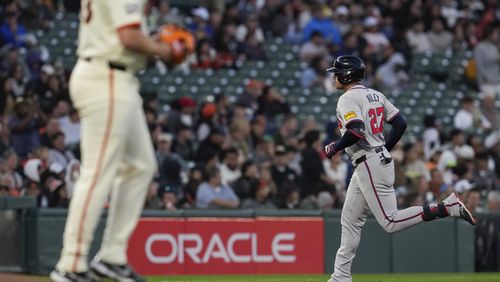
[280,171]
[182,113]
[483,177]
[341,18]
[58,152]
[195,178]
[437,187]
[289,197]
[229,49]
[213,194]
[208,120]
[253,49]
[473,200]
[337,169]
[168,195]
[246,185]
[314,74]
[469,117]
[313,48]
[164,151]
[321,23]
[18,79]
[491,112]
[417,38]
[286,133]
[464,176]
[52,127]
[280,20]
[264,151]
[54,96]
[272,104]
[11,31]
[200,26]
[230,167]
[257,130]
[488,67]
[165,14]
[239,138]
[413,163]
[325,201]
[375,39]
[249,98]
[314,178]
[9,175]
[439,38]
[70,126]
[211,146]
[24,126]
[355,45]
[183,143]
[392,74]
[251,26]
[493,204]
[260,199]
[206,56]
[431,136]
[4,137]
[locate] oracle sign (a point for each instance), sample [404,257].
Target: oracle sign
[162,246]
[218,249]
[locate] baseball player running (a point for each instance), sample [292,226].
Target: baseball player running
[117,155]
[361,113]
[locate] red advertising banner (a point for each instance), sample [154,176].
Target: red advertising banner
[166,246]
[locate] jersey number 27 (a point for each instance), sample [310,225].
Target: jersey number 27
[376,124]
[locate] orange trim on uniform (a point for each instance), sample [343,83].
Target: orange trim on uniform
[135,24]
[98,167]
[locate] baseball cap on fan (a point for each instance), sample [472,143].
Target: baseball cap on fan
[370,21]
[201,12]
[342,11]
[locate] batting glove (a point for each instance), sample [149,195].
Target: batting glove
[330,150]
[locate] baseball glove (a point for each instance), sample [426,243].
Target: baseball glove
[179,39]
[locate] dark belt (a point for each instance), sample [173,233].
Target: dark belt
[113,65]
[377,150]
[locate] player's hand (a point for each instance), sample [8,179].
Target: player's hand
[330,150]
[163,52]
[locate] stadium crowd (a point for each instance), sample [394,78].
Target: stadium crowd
[254,152]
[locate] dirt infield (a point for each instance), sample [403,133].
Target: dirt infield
[15,277]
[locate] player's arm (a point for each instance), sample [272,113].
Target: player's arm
[133,39]
[399,125]
[355,131]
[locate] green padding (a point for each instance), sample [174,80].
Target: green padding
[287,213]
[332,241]
[333,213]
[218,213]
[44,236]
[373,255]
[161,213]
[374,251]
[26,202]
[465,246]
[428,247]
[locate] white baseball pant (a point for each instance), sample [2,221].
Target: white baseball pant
[118,163]
[371,188]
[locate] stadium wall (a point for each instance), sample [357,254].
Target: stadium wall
[243,241]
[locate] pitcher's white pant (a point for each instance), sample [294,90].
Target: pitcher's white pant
[117,161]
[371,187]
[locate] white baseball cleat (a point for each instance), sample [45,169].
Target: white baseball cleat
[457,208]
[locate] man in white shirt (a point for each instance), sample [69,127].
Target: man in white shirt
[230,168]
[468,117]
